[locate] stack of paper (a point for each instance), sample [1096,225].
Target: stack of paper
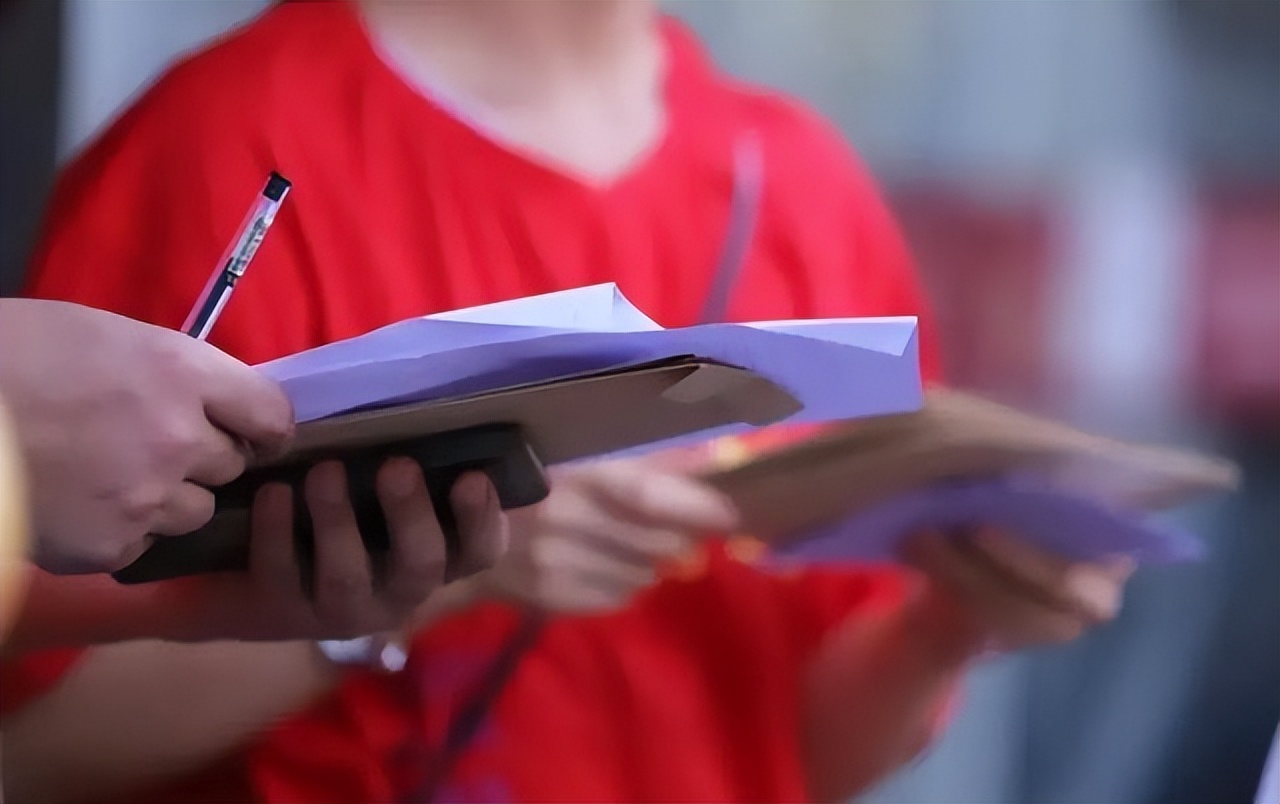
[836,369]
[856,491]
[509,388]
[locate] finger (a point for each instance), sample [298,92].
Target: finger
[418,552]
[625,541]
[1005,609]
[244,402]
[1089,590]
[1017,561]
[574,599]
[1120,568]
[482,526]
[582,517]
[343,576]
[589,567]
[273,562]
[662,500]
[187,508]
[682,460]
[218,459]
[639,544]
[575,579]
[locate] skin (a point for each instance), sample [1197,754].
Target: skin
[123,426]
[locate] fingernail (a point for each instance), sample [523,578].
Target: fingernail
[1089,589]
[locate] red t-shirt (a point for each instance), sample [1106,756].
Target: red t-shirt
[400,209]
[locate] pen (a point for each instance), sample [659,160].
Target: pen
[236,259]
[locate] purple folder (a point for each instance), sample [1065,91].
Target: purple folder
[1062,522]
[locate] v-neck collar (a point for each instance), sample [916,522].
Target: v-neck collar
[386,66]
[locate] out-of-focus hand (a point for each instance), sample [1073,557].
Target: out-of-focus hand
[269,602]
[348,596]
[1001,593]
[123,426]
[604,531]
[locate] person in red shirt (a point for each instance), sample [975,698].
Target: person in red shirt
[448,154]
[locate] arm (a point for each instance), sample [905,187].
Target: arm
[875,691]
[268,602]
[244,687]
[912,661]
[123,427]
[136,713]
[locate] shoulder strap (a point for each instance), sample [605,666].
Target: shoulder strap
[748,184]
[475,710]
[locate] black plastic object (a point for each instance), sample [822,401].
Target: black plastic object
[500,451]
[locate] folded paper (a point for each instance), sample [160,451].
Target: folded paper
[1065,523]
[837,369]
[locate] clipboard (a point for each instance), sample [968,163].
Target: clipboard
[510,434]
[955,437]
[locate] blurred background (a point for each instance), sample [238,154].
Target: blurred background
[1092,190]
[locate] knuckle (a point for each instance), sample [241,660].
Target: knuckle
[226,465]
[278,413]
[418,578]
[197,510]
[170,357]
[233,466]
[337,591]
[109,555]
[142,503]
[173,440]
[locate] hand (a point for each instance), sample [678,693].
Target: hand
[1001,593]
[123,426]
[603,532]
[348,597]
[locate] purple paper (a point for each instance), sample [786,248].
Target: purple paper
[1061,522]
[838,369]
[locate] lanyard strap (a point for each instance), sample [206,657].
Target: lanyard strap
[744,213]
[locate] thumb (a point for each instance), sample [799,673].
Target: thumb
[244,403]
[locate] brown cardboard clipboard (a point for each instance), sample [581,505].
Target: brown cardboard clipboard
[575,417]
[954,436]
